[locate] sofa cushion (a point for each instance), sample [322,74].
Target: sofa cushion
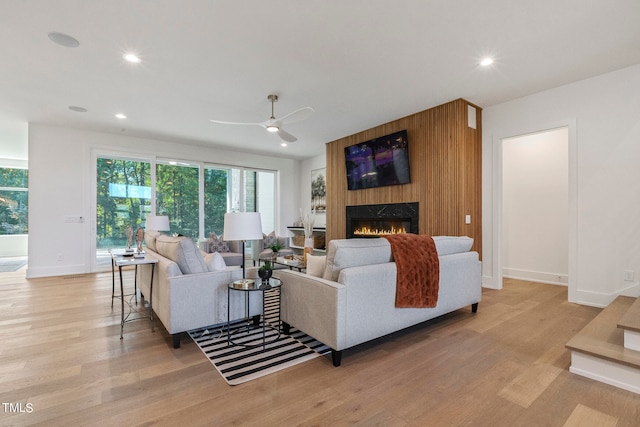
[447,245]
[183,251]
[343,253]
[316,265]
[214,262]
[216,244]
[232,258]
[150,239]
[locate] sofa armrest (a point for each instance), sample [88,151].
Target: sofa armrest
[195,300]
[315,306]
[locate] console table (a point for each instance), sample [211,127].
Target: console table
[124,261]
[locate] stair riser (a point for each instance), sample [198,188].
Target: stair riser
[605,371]
[632,340]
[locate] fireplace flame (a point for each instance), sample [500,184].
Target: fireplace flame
[368,231]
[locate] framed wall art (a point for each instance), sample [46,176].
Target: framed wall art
[319,190]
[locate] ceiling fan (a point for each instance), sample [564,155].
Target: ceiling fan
[275,125]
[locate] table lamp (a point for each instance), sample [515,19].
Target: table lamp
[157,223]
[242,226]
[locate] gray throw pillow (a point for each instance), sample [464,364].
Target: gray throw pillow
[216,244]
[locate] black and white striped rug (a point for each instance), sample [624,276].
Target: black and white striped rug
[239,364]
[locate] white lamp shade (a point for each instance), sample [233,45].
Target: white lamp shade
[158,223]
[242,226]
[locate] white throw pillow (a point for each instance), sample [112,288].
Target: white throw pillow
[215,262]
[316,264]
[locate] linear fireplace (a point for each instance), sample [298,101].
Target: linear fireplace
[381,219]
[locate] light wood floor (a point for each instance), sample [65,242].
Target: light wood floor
[504,366]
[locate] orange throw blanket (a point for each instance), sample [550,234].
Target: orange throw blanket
[418,270]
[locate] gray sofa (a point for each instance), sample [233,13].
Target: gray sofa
[231,251]
[354,301]
[188,292]
[261,250]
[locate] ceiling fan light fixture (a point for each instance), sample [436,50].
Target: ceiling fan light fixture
[273,128]
[63,39]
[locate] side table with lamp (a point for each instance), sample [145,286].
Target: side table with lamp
[242,226]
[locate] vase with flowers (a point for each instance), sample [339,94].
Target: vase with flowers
[308,219]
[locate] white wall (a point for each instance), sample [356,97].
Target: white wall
[62,181]
[535,206]
[604,146]
[306,167]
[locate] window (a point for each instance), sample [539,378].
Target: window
[193,195]
[234,190]
[177,195]
[14,197]
[123,199]
[216,199]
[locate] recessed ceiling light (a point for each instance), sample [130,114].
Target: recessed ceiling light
[78,109]
[132,57]
[486,61]
[121,116]
[284,144]
[63,40]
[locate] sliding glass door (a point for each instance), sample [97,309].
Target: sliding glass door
[217,198]
[178,196]
[124,199]
[195,197]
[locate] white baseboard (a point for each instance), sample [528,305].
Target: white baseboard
[536,276]
[66,270]
[490,283]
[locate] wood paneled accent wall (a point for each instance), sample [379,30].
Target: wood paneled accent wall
[445,157]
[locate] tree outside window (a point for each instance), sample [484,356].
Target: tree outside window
[123,199]
[216,184]
[14,201]
[177,195]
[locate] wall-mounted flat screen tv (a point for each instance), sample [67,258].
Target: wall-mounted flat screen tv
[378,162]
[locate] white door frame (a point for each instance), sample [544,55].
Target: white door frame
[497,186]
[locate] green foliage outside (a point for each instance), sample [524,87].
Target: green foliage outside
[178,197]
[14,198]
[123,199]
[215,199]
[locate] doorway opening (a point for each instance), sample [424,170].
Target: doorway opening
[535,206]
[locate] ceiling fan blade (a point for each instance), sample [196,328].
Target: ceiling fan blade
[236,123]
[297,115]
[285,136]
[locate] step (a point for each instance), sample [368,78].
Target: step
[630,324]
[598,350]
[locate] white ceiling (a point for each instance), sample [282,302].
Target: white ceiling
[358,63]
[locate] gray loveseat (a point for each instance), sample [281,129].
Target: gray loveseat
[354,301]
[186,294]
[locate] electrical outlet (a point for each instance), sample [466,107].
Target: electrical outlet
[467,219]
[629,275]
